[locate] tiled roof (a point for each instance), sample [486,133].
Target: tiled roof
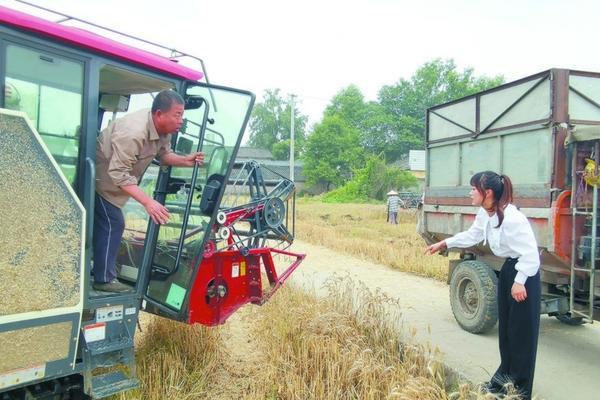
[253,153]
[271,170]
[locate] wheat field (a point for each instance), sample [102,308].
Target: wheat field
[361,230]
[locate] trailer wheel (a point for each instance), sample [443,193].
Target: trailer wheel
[569,319]
[473,288]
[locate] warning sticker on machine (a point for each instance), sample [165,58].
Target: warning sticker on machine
[94,332]
[235,270]
[22,375]
[106,314]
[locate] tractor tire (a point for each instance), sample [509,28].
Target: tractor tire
[569,319]
[473,287]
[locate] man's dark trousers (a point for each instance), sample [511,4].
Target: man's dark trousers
[109,225]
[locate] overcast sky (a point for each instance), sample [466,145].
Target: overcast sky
[315,48]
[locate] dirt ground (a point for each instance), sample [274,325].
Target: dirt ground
[568,365]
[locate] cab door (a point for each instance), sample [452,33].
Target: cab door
[214,124]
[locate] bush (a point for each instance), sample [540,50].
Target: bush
[371,183]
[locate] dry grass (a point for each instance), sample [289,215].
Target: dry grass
[342,346]
[175,361]
[362,231]
[348,344]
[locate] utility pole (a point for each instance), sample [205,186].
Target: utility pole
[292,106]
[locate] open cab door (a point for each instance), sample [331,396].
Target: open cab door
[166,259]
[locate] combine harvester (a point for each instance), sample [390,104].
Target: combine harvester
[543,131]
[62,84]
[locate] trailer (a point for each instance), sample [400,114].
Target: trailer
[62,84]
[543,131]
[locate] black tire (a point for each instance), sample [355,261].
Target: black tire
[473,287]
[569,319]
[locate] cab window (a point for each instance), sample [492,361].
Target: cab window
[49,89]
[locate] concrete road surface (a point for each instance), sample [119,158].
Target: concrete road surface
[568,361]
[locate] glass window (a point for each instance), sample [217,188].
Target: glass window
[123,91]
[136,103]
[49,89]
[227,115]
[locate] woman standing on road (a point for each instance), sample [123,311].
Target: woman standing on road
[510,236]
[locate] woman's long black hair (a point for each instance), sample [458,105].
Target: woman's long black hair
[501,187]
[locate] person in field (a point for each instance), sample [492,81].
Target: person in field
[123,152]
[508,232]
[393,205]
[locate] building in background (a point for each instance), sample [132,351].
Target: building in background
[272,167]
[414,162]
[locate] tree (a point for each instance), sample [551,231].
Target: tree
[349,105]
[270,125]
[375,126]
[333,151]
[434,83]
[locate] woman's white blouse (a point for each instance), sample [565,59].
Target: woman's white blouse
[514,239]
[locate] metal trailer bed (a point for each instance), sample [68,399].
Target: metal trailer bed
[539,130]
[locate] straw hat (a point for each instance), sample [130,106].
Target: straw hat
[392,193]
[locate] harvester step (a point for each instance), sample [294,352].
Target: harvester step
[110,346]
[112,383]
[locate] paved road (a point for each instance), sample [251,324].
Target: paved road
[568,362]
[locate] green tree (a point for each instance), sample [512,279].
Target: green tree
[270,125]
[434,83]
[281,150]
[348,104]
[333,151]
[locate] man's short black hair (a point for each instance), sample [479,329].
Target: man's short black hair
[165,99]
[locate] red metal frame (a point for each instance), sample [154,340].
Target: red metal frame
[227,280]
[236,215]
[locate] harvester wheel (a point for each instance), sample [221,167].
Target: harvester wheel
[473,288]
